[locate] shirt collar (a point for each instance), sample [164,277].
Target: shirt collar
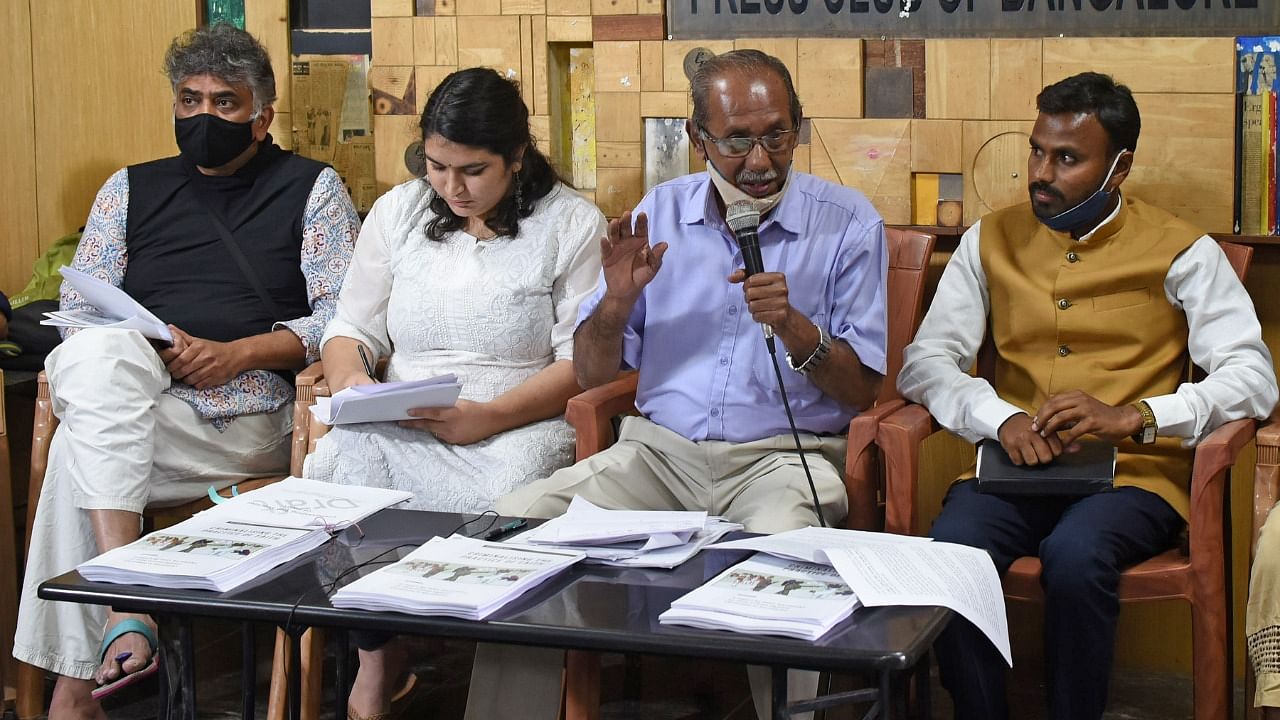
[702,207]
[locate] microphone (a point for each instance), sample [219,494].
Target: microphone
[744,220]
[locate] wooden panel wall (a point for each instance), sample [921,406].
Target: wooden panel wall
[19,236]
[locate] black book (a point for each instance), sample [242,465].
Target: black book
[1090,469]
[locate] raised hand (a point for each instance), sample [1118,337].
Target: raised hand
[628,260]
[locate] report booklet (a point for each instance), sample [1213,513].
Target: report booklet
[456,577]
[115,309]
[388,401]
[1090,469]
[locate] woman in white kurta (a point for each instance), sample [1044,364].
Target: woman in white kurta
[476,270]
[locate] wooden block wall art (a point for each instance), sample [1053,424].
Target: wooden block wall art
[873,156]
[446,41]
[426,79]
[924,198]
[391,8]
[424,41]
[618,189]
[820,163]
[394,91]
[936,146]
[674,53]
[628,27]
[540,127]
[649,7]
[618,117]
[888,93]
[398,138]
[666,150]
[524,7]
[651,66]
[478,7]
[490,42]
[269,23]
[614,7]
[526,61]
[899,54]
[569,7]
[1147,65]
[583,116]
[1015,78]
[800,158]
[619,154]
[664,104]
[782,48]
[617,66]
[568,28]
[1185,158]
[957,79]
[539,58]
[995,165]
[392,41]
[829,80]
[283,125]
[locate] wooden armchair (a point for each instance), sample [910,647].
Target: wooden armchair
[30,680]
[1266,492]
[591,413]
[8,563]
[1198,574]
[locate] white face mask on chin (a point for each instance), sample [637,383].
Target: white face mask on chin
[730,193]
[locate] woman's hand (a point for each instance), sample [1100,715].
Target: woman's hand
[337,385]
[465,423]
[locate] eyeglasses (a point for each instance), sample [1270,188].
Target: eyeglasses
[735,147]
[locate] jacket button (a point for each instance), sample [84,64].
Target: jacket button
[1063,304]
[1073,257]
[1063,351]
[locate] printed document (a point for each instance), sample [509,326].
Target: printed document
[384,402]
[808,544]
[586,524]
[300,503]
[115,309]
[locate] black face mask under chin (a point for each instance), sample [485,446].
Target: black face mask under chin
[211,142]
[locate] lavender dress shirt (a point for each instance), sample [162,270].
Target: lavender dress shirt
[705,372]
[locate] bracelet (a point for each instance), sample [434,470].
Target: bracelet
[816,357]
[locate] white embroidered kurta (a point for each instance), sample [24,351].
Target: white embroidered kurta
[494,312]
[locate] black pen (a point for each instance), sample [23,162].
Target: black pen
[505,529]
[368,365]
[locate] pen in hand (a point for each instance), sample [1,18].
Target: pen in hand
[505,529]
[368,364]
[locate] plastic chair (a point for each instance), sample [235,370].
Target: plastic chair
[30,680]
[1199,574]
[1266,492]
[8,562]
[591,414]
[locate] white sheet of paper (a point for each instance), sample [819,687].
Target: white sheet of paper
[807,544]
[383,402]
[586,523]
[302,503]
[115,304]
[958,577]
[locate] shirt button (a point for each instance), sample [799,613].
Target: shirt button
[733,309]
[724,361]
[1063,350]
[1073,257]
[715,412]
[1063,304]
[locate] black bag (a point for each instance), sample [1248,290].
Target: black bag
[35,340]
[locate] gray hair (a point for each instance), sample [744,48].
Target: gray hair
[748,62]
[227,53]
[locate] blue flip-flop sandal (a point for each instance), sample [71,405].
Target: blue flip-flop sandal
[124,627]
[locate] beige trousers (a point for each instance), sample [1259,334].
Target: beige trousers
[1262,617]
[760,484]
[122,445]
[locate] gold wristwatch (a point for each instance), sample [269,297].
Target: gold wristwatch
[1147,434]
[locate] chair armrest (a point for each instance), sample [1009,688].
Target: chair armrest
[309,384]
[591,412]
[861,469]
[1266,477]
[308,377]
[899,437]
[1213,458]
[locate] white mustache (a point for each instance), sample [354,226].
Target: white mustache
[749,178]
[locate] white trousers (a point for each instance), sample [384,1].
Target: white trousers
[122,444]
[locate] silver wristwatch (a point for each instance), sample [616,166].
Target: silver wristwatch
[815,359]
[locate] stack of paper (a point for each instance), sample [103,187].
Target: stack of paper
[386,401]
[242,538]
[456,577]
[115,309]
[768,596]
[630,538]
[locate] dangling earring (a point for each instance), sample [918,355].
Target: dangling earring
[519,193]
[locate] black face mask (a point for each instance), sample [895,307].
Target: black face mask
[211,142]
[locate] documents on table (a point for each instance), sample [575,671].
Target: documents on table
[808,543]
[115,309]
[241,538]
[456,577]
[387,401]
[769,596]
[629,538]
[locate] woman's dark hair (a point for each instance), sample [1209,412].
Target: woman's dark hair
[480,108]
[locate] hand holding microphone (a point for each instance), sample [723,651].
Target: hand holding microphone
[766,296]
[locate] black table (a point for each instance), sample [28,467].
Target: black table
[587,608]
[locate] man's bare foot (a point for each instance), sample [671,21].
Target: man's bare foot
[72,698]
[381,677]
[134,643]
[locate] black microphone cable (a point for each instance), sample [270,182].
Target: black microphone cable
[744,220]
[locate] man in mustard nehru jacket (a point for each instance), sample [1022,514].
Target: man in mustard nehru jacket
[1094,301]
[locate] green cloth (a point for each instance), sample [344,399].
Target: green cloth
[46,281]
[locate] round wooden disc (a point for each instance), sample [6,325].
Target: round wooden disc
[1000,170]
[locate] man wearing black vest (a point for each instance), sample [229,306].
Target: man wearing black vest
[241,247]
